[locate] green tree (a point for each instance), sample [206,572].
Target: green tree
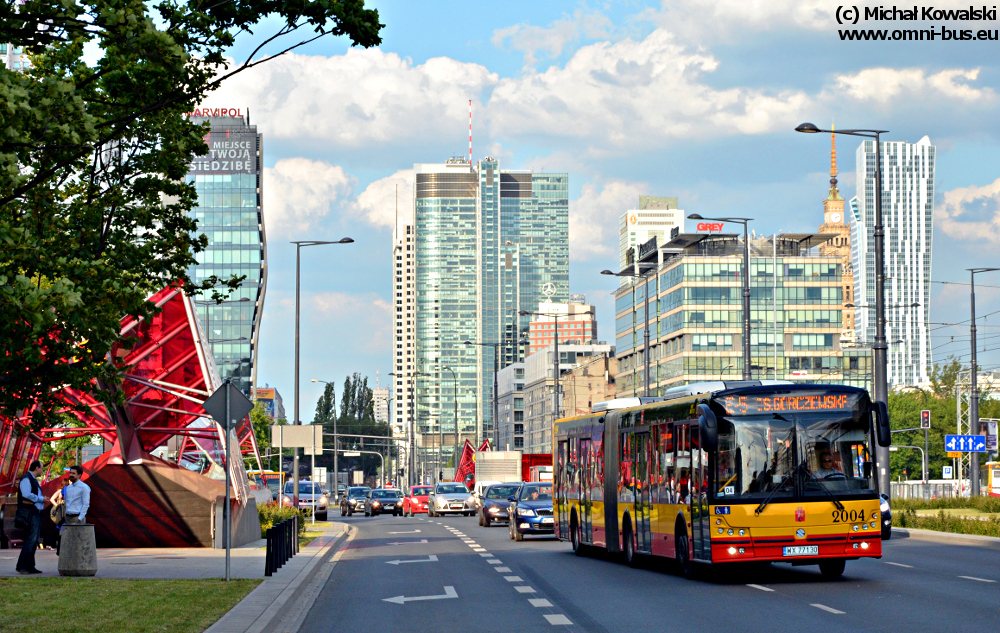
[944,377]
[94,203]
[356,418]
[326,406]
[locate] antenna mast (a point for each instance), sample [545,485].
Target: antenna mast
[470,132]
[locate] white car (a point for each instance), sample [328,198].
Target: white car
[450,498]
[309,494]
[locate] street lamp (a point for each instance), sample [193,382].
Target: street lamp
[454,399]
[879,348]
[747,369]
[555,359]
[298,258]
[645,335]
[496,369]
[975,426]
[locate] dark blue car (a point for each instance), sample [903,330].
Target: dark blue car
[531,511]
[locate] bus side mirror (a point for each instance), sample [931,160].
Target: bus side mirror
[709,428]
[882,428]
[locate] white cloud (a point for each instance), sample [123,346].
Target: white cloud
[552,39]
[370,313]
[886,85]
[361,97]
[299,193]
[981,202]
[593,218]
[381,199]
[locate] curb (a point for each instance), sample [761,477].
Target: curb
[278,598]
[974,540]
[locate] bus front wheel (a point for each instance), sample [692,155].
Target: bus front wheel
[629,544]
[682,550]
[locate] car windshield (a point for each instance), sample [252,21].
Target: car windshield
[444,489]
[536,492]
[383,494]
[358,492]
[503,492]
[305,488]
[785,456]
[420,490]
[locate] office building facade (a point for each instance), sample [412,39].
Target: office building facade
[656,216]
[230,214]
[503,233]
[404,326]
[908,218]
[510,408]
[575,320]
[696,315]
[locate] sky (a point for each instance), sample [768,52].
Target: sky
[683,98]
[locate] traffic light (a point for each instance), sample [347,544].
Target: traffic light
[925,419]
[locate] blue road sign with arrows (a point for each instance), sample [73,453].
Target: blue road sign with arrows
[965,443]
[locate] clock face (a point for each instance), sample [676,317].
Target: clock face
[835,217]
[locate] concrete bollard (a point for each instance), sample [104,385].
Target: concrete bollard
[78,550]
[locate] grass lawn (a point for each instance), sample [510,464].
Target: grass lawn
[313,531]
[112,606]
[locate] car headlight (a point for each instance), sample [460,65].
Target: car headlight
[440,502]
[286,500]
[494,509]
[471,500]
[375,504]
[525,512]
[883,505]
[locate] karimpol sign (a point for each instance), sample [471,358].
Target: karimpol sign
[710,226]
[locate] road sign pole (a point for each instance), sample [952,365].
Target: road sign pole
[312,476]
[226,512]
[927,492]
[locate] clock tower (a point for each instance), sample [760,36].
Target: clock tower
[839,246]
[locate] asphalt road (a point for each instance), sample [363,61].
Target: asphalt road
[477,579]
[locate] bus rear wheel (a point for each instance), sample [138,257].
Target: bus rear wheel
[574,536]
[630,556]
[832,567]
[682,552]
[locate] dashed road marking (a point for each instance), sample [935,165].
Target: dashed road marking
[502,570]
[524,589]
[486,555]
[493,561]
[899,565]
[513,579]
[977,579]
[761,587]
[557,618]
[827,609]
[539,602]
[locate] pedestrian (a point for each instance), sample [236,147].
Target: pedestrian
[30,503]
[77,496]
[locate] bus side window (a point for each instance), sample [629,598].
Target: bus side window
[665,448]
[682,486]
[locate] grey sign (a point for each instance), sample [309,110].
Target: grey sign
[239,405]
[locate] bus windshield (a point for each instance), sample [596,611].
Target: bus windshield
[800,456]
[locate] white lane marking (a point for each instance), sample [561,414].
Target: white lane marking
[491,561]
[977,579]
[449,592]
[423,540]
[486,555]
[430,559]
[478,549]
[539,602]
[513,579]
[761,587]
[407,532]
[502,570]
[557,618]
[827,609]
[899,565]
[523,589]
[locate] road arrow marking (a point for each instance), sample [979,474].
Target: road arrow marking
[430,559]
[407,532]
[449,592]
[423,540]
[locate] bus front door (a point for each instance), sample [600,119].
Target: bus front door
[640,457]
[700,528]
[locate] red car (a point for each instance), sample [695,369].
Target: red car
[416,501]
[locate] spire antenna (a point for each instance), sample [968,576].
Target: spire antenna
[470,132]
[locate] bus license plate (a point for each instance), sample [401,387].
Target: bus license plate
[802,550]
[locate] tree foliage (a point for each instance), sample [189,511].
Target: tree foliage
[94,206]
[326,406]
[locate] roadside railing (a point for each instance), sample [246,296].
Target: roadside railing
[902,490]
[282,544]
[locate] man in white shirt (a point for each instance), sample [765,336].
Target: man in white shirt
[77,496]
[29,495]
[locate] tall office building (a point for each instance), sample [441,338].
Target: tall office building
[908,218]
[488,243]
[657,216]
[404,326]
[13,57]
[229,213]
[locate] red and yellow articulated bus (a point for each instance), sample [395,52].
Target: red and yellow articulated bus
[723,473]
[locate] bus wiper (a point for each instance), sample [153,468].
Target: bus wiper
[823,487]
[767,499]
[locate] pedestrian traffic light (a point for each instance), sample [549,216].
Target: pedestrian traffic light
[925,419]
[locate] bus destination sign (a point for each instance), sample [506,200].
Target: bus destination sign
[749,405]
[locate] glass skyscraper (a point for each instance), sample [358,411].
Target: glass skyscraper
[229,213]
[908,218]
[488,243]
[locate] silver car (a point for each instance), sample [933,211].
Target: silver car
[450,498]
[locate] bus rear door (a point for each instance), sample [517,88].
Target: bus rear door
[640,459]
